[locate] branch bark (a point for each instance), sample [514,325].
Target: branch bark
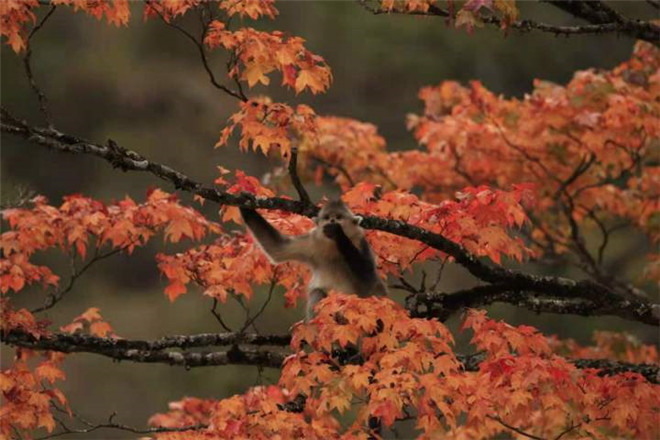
[599,295]
[443,305]
[152,351]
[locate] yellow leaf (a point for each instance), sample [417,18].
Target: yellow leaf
[255,73]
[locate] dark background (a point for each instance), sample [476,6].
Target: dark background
[144,87]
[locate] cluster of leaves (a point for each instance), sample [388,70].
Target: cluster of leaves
[583,146]
[265,125]
[609,345]
[470,13]
[28,401]
[362,365]
[29,397]
[171,9]
[232,264]
[473,13]
[479,220]
[254,53]
[90,322]
[365,359]
[122,226]
[261,53]
[20,319]
[15,15]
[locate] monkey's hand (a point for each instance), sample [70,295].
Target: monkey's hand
[332,230]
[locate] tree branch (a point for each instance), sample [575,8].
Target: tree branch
[204,59]
[151,351]
[602,296]
[59,294]
[513,428]
[444,305]
[113,425]
[43,101]
[600,22]
[295,179]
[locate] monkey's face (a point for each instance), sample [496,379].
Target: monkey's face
[342,216]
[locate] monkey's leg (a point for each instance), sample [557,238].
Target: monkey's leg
[313,297]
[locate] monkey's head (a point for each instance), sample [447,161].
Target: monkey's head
[335,211]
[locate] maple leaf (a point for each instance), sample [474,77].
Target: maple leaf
[100,329]
[49,372]
[260,53]
[314,78]
[174,290]
[14,15]
[116,12]
[252,8]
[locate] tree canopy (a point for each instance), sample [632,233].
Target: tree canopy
[506,188]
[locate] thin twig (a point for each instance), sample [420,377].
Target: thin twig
[250,321]
[513,428]
[43,101]
[218,317]
[57,296]
[66,430]
[202,53]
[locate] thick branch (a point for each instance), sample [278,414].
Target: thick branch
[84,341]
[150,351]
[600,295]
[442,306]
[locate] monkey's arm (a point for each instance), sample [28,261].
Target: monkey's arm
[360,261]
[278,247]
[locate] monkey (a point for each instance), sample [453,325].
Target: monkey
[335,250]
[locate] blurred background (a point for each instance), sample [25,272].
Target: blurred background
[144,87]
